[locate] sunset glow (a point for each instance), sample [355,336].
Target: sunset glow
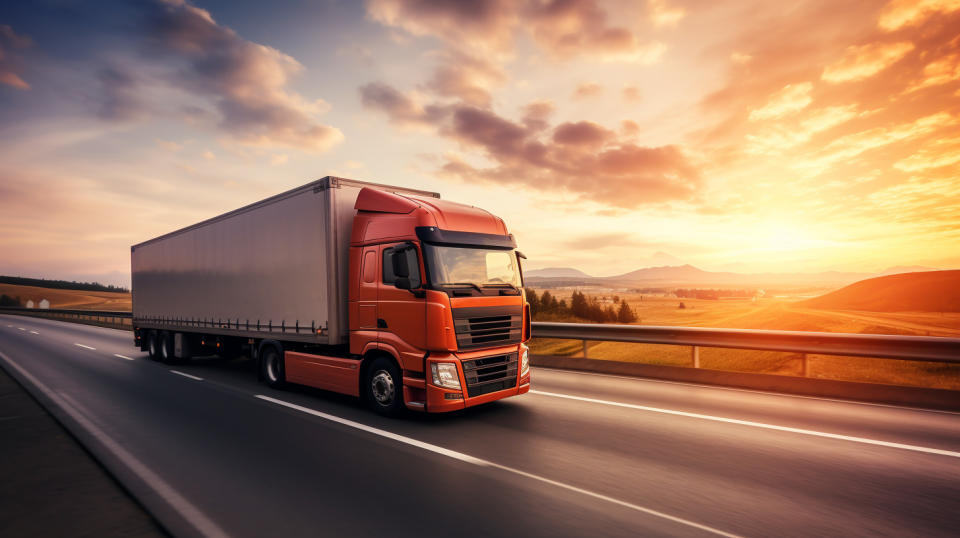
[747,136]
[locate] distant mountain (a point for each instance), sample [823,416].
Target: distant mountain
[556,272]
[928,291]
[906,269]
[667,272]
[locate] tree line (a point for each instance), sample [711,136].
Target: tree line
[712,294]
[60,284]
[581,306]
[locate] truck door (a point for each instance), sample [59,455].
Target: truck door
[401,313]
[368,289]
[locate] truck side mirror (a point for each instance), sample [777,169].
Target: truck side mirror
[402,283]
[401,269]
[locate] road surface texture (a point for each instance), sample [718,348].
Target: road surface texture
[209,451]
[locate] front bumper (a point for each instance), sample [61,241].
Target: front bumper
[440,399]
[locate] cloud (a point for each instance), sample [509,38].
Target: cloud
[119,97]
[466,77]
[9,68]
[587,89]
[791,98]
[940,153]
[570,28]
[248,82]
[400,109]
[561,28]
[582,158]
[582,134]
[663,15]
[480,24]
[900,13]
[631,93]
[941,71]
[860,62]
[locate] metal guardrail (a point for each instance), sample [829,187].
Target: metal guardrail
[914,348]
[114,318]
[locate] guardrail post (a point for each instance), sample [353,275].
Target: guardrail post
[806,364]
[695,354]
[584,349]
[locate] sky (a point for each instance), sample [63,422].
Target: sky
[746,136]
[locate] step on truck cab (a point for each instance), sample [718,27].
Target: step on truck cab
[386,293]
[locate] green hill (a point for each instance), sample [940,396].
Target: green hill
[930,291]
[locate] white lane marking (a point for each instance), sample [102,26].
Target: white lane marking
[85,347]
[485,463]
[21,328]
[204,525]
[11,326]
[752,391]
[122,356]
[34,332]
[750,423]
[195,378]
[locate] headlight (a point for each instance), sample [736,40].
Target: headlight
[524,361]
[445,375]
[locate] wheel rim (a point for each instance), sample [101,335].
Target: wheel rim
[163,349]
[382,387]
[272,368]
[153,347]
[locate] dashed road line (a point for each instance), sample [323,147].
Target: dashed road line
[195,378]
[34,332]
[85,347]
[485,463]
[123,356]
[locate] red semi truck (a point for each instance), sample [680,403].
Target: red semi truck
[386,293]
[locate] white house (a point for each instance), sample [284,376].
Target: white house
[44,304]
[30,303]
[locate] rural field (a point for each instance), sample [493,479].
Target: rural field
[69,299]
[779,313]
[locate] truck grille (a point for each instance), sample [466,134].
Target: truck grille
[490,374]
[487,326]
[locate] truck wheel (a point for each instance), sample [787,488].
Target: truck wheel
[165,340]
[271,367]
[153,345]
[383,387]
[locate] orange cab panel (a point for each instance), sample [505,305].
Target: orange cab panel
[328,373]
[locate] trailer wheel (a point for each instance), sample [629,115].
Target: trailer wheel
[271,367]
[383,387]
[153,345]
[165,340]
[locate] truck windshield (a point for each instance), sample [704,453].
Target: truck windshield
[479,267]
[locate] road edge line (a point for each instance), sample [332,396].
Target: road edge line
[82,427]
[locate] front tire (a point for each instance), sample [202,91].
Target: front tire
[383,387]
[271,367]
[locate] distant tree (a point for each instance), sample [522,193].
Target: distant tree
[682,305]
[626,314]
[609,314]
[562,306]
[534,301]
[579,305]
[6,300]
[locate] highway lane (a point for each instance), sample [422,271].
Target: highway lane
[542,464]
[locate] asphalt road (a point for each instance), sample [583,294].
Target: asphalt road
[215,453]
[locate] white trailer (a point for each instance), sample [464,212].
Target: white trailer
[274,269]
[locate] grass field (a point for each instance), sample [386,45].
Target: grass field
[70,299]
[773,313]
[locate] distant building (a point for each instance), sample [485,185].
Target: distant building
[44,304]
[30,303]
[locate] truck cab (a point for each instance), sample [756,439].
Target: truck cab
[436,286]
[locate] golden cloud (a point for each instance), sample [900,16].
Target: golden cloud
[860,62]
[791,98]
